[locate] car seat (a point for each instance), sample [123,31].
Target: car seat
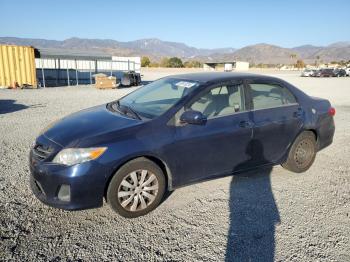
[234,103]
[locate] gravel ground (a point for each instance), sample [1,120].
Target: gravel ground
[265,216]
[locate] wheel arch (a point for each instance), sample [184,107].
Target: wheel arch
[317,136]
[314,131]
[159,162]
[290,164]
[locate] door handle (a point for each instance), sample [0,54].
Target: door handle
[245,124]
[298,113]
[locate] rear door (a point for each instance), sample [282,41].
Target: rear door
[277,119]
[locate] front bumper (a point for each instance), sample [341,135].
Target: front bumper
[86,182]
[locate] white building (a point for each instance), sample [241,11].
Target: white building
[227,65]
[55,67]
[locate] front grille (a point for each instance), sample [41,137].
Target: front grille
[41,152]
[39,187]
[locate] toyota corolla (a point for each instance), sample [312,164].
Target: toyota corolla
[173,132]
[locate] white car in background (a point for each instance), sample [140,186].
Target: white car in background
[347,70]
[308,72]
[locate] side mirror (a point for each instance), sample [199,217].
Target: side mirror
[193,117]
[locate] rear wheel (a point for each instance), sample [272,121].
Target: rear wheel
[302,153]
[136,188]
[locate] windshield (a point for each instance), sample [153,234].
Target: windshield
[157,97]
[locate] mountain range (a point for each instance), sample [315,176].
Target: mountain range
[156,49]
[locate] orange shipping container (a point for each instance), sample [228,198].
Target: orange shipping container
[17,66]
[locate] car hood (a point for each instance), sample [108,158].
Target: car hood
[86,123]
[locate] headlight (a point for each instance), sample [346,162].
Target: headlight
[72,156]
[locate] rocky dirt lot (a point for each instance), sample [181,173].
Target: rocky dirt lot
[265,216]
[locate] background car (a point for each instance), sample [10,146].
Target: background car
[325,72]
[339,72]
[347,70]
[308,72]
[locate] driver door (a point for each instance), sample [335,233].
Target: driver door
[219,146]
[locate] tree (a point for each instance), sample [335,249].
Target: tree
[292,57]
[145,61]
[164,62]
[300,64]
[175,62]
[154,64]
[317,60]
[192,63]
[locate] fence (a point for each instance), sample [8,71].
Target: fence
[59,72]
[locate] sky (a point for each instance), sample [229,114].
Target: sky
[202,24]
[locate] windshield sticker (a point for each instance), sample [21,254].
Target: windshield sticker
[185,84]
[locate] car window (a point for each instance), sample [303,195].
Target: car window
[166,92]
[270,95]
[220,101]
[288,97]
[154,99]
[219,90]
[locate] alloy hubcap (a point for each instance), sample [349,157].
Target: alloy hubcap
[138,190]
[304,153]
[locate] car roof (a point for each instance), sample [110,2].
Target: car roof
[220,76]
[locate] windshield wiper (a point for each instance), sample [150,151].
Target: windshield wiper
[128,110]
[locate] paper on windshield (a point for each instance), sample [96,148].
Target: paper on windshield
[185,84]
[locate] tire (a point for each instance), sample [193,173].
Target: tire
[302,153]
[129,200]
[126,81]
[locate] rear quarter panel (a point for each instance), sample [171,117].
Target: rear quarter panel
[318,119]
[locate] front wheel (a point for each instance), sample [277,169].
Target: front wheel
[136,188]
[302,153]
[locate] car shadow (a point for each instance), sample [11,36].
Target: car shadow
[9,106]
[253,214]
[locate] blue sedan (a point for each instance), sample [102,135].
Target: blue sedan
[173,132]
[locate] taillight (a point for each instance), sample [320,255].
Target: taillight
[331,111]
